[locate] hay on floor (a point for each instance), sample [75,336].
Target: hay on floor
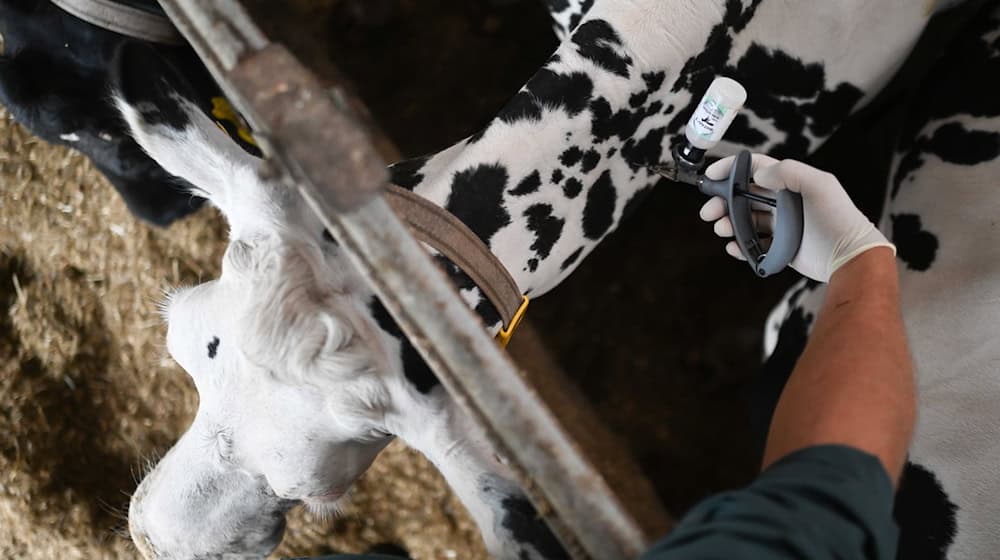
[88,393]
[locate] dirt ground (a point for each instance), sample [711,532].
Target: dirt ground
[88,394]
[657,327]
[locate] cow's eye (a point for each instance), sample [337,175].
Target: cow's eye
[213,347]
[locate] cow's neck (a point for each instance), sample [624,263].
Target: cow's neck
[568,156]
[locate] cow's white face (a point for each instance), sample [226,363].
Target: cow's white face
[289,406]
[262,440]
[292,371]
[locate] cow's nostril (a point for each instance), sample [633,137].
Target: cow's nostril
[139,537]
[277,534]
[257,544]
[142,544]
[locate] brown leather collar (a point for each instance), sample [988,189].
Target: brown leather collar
[447,234]
[440,229]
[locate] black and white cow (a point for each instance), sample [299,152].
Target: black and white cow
[943,214]
[302,375]
[54,80]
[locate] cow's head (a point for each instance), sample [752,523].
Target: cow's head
[290,367]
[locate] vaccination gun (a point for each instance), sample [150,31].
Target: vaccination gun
[704,130]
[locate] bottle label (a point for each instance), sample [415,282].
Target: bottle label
[707,116]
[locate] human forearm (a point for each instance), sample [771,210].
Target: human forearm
[853,384]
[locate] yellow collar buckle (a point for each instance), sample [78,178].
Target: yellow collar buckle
[503,337]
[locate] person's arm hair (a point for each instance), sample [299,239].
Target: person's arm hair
[853,384]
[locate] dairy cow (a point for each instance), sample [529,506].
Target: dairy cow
[304,377]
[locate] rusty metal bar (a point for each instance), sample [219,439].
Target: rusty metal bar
[314,144]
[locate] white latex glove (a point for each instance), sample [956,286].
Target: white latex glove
[835,230]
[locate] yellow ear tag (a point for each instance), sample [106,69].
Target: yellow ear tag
[223,111]
[503,337]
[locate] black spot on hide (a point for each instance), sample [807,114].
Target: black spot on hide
[414,367]
[477,199]
[546,227]
[598,214]
[522,107]
[596,41]
[527,527]
[832,107]
[637,100]
[914,246]
[571,156]
[518,517]
[572,258]
[792,95]
[964,81]
[528,185]
[741,132]
[925,515]
[213,347]
[574,20]
[462,282]
[645,152]
[623,123]
[952,143]
[572,187]
[590,160]
[548,90]
[406,173]
[699,70]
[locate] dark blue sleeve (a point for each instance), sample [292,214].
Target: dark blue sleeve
[823,502]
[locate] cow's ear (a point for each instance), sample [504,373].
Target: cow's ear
[160,109]
[143,78]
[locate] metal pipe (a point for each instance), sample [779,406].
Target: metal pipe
[315,145]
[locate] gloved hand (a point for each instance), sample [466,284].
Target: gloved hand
[835,230]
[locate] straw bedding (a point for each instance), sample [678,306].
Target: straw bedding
[88,394]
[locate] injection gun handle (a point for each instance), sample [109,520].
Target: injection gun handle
[788,221]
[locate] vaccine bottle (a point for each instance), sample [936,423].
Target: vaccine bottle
[712,117]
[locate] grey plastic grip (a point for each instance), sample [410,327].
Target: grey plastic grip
[788,222]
